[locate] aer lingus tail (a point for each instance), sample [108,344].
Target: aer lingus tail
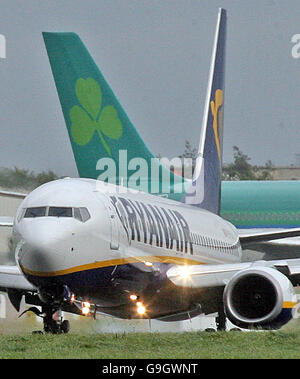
[99,128]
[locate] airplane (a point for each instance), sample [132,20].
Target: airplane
[90,247]
[264,205]
[250,206]
[268,204]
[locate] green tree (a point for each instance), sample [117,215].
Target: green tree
[190,152]
[241,169]
[45,177]
[24,179]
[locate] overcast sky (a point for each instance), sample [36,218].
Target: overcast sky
[155,54]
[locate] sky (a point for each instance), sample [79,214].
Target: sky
[155,54]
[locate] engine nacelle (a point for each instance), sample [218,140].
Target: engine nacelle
[259,297]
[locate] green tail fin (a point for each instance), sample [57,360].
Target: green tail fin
[97,124]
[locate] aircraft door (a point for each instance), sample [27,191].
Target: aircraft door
[119,237]
[114,229]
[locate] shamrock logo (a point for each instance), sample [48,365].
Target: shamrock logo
[90,117]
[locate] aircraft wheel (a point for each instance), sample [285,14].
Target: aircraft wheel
[65,326]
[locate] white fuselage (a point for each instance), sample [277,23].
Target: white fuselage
[117,231]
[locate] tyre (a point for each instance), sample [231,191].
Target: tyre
[65,326]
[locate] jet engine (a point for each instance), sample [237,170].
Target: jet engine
[261,298]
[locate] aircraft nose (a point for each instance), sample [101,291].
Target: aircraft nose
[43,246]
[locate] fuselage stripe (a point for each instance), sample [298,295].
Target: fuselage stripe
[288,304]
[114,262]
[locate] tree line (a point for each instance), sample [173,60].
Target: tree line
[239,169]
[11,178]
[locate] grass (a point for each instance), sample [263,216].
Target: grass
[87,340]
[188,345]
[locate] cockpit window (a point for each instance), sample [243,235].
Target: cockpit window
[60,212]
[82,214]
[35,212]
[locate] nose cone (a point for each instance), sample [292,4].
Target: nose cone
[44,244]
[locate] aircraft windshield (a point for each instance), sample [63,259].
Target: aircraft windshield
[60,212]
[35,212]
[81,214]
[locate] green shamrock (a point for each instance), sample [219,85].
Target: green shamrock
[90,117]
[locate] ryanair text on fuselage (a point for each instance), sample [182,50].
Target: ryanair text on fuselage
[152,224]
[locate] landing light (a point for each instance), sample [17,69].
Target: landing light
[141,310]
[133,297]
[85,308]
[184,272]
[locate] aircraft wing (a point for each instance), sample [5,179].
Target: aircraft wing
[6,221]
[249,238]
[12,278]
[203,276]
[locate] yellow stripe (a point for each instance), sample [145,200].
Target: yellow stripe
[114,262]
[288,304]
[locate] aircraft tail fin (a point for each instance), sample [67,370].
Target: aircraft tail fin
[100,130]
[97,124]
[205,189]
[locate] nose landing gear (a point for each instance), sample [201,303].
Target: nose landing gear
[52,319]
[51,300]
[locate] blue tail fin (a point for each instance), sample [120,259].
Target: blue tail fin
[205,189]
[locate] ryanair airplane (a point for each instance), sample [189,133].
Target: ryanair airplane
[86,246]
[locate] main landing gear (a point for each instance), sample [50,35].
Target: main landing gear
[220,322]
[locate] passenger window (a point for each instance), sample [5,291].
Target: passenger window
[60,212]
[35,212]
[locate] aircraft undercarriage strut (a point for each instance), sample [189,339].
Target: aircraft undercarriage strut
[52,319]
[221,320]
